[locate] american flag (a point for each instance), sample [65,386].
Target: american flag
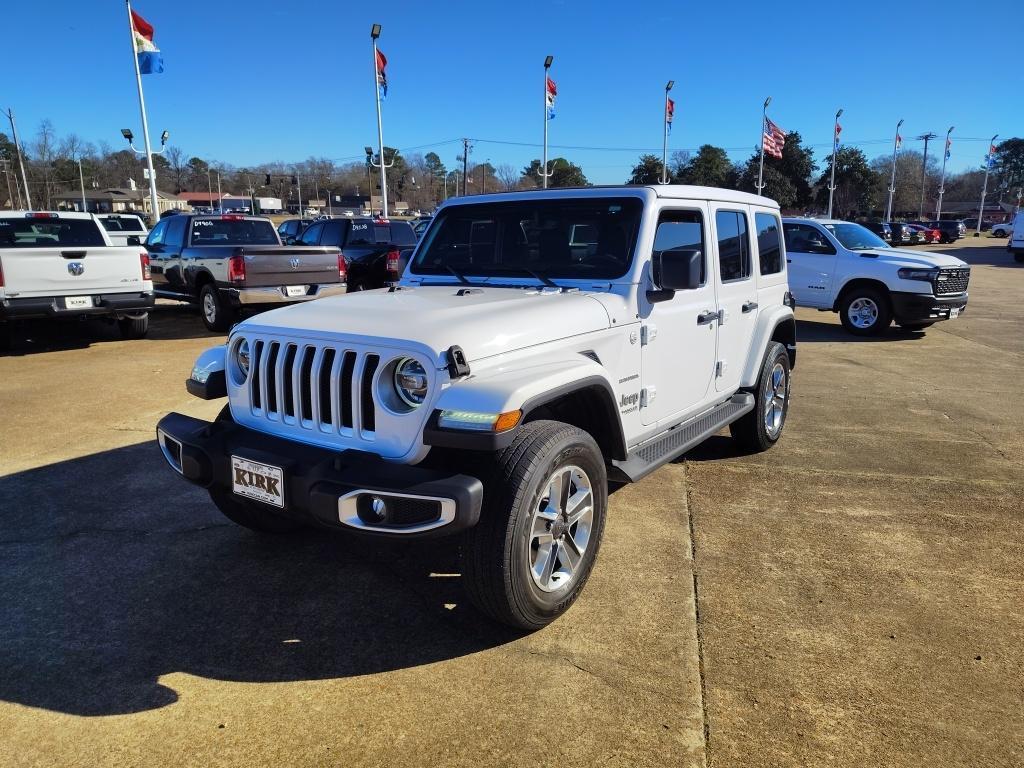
[773,139]
[670,112]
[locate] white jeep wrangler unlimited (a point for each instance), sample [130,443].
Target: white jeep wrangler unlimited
[538,345]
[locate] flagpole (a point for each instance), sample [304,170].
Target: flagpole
[984,188]
[835,145]
[145,120]
[664,147]
[544,162]
[892,180]
[764,124]
[374,34]
[942,184]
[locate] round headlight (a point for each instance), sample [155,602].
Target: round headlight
[242,357]
[411,382]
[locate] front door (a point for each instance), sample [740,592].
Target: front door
[812,261]
[737,293]
[679,334]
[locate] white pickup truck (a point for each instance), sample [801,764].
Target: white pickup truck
[124,228]
[538,345]
[61,264]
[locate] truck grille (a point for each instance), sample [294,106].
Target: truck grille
[952,280]
[314,387]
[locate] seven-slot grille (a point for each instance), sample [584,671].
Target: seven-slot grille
[315,387]
[952,280]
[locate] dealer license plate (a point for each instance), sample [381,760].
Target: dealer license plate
[262,482]
[77,302]
[954,313]
[295,290]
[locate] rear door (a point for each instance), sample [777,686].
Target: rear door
[60,256]
[812,262]
[173,247]
[737,292]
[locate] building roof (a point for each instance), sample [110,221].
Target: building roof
[113,194]
[203,196]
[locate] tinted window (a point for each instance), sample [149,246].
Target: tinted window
[360,233]
[510,238]
[802,238]
[334,233]
[175,233]
[122,224]
[157,233]
[46,233]
[768,250]
[680,231]
[233,232]
[733,245]
[312,235]
[402,234]
[855,237]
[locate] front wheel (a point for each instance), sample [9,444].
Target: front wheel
[865,311]
[761,428]
[217,315]
[527,560]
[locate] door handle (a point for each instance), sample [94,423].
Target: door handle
[750,306]
[705,318]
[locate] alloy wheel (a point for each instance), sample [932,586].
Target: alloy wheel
[561,527]
[863,313]
[775,393]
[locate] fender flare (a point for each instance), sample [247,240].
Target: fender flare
[767,324]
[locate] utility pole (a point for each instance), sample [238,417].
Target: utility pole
[21,157]
[220,197]
[81,183]
[835,148]
[942,184]
[984,188]
[892,181]
[209,186]
[10,192]
[465,164]
[924,170]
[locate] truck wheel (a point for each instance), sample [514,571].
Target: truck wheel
[217,315]
[134,327]
[865,311]
[526,561]
[761,428]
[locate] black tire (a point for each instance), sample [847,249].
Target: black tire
[217,315]
[1019,258]
[134,327]
[870,298]
[751,431]
[916,326]
[6,336]
[497,552]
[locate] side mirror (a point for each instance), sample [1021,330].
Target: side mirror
[675,271]
[134,240]
[289,240]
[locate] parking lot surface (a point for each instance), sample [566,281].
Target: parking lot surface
[850,597]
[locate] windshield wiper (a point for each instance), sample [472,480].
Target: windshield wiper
[459,275]
[527,271]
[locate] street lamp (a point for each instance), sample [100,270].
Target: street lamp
[374,34]
[942,184]
[380,163]
[544,173]
[892,179]
[664,128]
[984,188]
[129,136]
[835,147]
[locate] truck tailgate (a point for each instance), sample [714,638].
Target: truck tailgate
[71,271]
[291,265]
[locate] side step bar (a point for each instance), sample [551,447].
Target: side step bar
[677,440]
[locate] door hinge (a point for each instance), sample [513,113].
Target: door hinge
[720,367]
[648,333]
[647,395]
[722,316]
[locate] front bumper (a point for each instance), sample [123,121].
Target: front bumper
[278,294]
[922,307]
[116,304]
[334,490]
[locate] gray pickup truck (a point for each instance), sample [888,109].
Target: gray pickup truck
[232,262]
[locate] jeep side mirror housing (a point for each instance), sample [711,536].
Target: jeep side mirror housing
[675,270]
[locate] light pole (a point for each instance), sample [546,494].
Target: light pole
[942,184]
[382,165]
[220,197]
[81,184]
[835,148]
[544,173]
[892,179]
[10,192]
[984,187]
[21,157]
[924,170]
[664,139]
[209,186]
[764,127]
[149,152]
[374,34]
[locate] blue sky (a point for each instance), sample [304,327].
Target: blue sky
[474,69]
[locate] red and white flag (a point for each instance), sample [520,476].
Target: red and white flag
[670,112]
[773,139]
[899,141]
[382,75]
[552,91]
[839,130]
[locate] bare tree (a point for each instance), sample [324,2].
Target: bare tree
[508,177]
[178,161]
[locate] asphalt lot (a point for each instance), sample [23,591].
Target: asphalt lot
[852,597]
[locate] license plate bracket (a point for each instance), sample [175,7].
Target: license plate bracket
[954,313]
[258,481]
[78,302]
[295,290]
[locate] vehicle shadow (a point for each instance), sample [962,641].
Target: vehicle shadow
[113,578]
[812,331]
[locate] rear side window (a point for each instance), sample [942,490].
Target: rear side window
[312,235]
[402,234]
[768,247]
[49,233]
[175,233]
[681,231]
[733,245]
[122,224]
[233,232]
[334,233]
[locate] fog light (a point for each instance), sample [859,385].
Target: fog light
[372,510]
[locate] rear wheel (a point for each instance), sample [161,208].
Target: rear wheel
[134,327]
[865,311]
[761,428]
[217,315]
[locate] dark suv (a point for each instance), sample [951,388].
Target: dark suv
[903,235]
[880,228]
[373,248]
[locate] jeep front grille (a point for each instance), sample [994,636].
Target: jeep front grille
[952,280]
[314,387]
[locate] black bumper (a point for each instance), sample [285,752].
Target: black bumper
[116,304]
[922,307]
[334,490]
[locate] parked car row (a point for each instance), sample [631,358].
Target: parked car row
[917,232]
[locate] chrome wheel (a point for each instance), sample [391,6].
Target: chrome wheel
[561,527]
[209,308]
[863,313]
[776,392]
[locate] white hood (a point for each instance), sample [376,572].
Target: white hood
[901,257]
[484,321]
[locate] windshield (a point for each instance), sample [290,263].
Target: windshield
[122,224]
[233,232]
[49,232]
[577,239]
[855,237]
